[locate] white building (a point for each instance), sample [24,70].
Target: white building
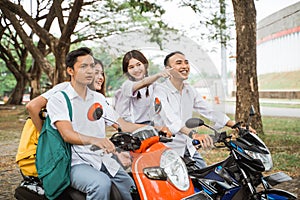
[278,41]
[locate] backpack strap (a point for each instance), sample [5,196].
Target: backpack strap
[68,103]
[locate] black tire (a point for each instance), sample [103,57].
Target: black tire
[23,193]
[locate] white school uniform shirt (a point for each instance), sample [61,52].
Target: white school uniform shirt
[58,110]
[56,88]
[178,108]
[129,107]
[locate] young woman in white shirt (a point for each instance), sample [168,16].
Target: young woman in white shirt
[133,101]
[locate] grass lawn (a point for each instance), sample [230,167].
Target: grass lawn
[282,136]
[280,81]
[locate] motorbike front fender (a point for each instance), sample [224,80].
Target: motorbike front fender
[277,178]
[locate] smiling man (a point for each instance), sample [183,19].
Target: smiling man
[90,173]
[179,100]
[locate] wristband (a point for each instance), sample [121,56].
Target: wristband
[191,133]
[43,113]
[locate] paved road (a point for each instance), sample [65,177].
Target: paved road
[270,111]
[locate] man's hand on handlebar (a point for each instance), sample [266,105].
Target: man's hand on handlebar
[105,144]
[205,140]
[164,130]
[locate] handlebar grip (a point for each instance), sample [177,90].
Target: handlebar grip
[165,140]
[195,142]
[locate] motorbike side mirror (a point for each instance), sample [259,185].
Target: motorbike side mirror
[157,105]
[194,122]
[95,112]
[251,114]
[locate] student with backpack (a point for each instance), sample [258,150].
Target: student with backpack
[82,133]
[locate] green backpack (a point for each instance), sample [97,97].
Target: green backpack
[53,158]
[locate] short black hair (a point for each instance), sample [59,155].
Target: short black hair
[72,55]
[166,60]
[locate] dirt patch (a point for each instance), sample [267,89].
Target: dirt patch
[11,122]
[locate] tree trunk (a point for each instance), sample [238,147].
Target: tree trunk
[60,66]
[35,76]
[246,75]
[17,95]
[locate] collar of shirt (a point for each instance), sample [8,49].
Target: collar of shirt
[170,85]
[72,94]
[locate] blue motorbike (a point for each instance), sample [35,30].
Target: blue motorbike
[239,176]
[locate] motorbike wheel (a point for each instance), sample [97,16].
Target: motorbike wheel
[72,194]
[23,193]
[278,194]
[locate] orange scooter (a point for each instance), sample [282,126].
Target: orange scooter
[158,171]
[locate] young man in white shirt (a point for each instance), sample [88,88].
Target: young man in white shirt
[179,100]
[90,172]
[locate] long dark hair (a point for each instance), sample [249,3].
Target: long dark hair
[140,57]
[103,86]
[136,55]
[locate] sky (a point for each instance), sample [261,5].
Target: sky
[265,8]
[184,18]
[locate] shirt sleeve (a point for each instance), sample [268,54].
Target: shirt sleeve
[123,101]
[205,109]
[57,109]
[127,89]
[167,116]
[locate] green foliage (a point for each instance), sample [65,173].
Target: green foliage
[114,76]
[123,16]
[97,20]
[7,80]
[219,21]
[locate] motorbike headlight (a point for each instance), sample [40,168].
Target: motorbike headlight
[175,169]
[266,159]
[155,173]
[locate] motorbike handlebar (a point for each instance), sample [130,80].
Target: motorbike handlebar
[127,142]
[165,139]
[217,138]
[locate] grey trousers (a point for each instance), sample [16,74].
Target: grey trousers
[97,184]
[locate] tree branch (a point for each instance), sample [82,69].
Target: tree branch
[44,35]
